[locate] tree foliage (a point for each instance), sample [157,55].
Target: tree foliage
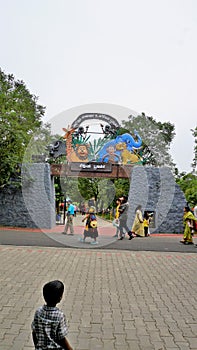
[20,116]
[188,181]
[188,184]
[101,189]
[104,191]
[39,145]
[156,137]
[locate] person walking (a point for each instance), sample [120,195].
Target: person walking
[123,214]
[49,328]
[116,221]
[69,219]
[188,221]
[91,229]
[146,223]
[138,225]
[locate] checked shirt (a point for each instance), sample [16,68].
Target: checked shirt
[49,325]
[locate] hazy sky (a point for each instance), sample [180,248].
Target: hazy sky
[139,54]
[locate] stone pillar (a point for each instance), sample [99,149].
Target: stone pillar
[33,205]
[38,194]
[156,190]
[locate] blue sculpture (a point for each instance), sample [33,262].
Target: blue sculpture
[120,149]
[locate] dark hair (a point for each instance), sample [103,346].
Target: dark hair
[146,215]
[187,208]
[123,199]
[52,292]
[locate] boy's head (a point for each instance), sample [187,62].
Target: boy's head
[91,210]
[52,292]
[123,199]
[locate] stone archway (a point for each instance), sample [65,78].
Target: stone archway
[154,188]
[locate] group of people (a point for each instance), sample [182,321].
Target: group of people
[140,227]
[90,219]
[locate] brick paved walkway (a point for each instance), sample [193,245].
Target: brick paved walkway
[113,299]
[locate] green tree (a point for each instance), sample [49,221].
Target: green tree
[156,137]
[122,188]
[20,116]
[188,184]
[188,181]
[69,188]
[39,144]
[102,190]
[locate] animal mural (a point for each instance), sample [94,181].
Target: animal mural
[123,149]
[80,153]
[68,136]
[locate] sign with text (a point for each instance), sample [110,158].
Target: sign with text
[93,167]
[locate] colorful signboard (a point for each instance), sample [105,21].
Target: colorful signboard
[109,145]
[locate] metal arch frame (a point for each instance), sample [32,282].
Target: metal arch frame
[101,116]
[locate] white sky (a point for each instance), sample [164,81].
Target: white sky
[139,54]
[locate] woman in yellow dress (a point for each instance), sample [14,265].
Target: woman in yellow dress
[138,225]
[188,222]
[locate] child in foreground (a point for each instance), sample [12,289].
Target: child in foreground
[49,328]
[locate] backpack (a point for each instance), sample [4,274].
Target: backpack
[93,221]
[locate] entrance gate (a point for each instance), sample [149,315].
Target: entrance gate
[120,155]
[115,155]
[104,156]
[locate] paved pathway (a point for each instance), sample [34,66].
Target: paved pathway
[55,238]
[114,300]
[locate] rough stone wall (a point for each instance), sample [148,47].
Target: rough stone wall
[156,190]
[13,211]
[32,206]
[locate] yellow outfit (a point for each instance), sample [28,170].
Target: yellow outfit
[146,226]
[117,212]
[146,223]
[138,225]
[187,217]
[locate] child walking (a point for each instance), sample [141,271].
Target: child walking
[90,226]
[146,222]
[49,328]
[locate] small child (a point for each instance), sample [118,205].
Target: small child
[49,328]
[90,226]
[146,222]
